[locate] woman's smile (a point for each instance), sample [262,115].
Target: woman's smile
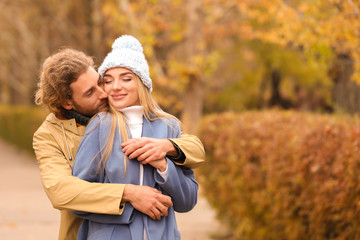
[118,96]
[120,85]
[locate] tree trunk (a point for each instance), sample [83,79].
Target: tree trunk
[275,78]
[193,103]
[4,90]
[97,44]
[346,92]
[194,93]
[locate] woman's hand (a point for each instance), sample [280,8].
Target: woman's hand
[159,164]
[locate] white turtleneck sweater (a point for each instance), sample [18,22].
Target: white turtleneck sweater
[134,117]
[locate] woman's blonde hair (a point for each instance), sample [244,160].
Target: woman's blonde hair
[152,111]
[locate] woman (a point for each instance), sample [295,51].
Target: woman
[132,113]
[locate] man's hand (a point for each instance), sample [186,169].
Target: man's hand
[147,150]
[147,200]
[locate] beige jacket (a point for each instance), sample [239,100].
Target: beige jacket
[55,144]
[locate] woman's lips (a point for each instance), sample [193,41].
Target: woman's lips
[118,96]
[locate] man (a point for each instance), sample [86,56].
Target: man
[69,87]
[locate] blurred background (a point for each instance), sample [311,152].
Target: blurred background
[216,64]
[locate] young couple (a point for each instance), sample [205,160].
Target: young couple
[110,159]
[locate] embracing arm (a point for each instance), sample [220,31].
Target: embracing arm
[147,150]
[192,148]
[66,191]
[145,199]
[86,167]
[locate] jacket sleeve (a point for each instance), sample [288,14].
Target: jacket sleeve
[65,191]
[86,167]
[192,148]
[180,182]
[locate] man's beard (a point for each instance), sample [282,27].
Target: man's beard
[91,112]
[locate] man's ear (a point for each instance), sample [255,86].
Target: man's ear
[67,104]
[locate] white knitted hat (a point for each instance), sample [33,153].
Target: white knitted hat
[127,52]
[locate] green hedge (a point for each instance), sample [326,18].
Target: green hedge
[283,175]
[18,124]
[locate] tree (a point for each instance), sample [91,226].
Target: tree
[258,75]
[188,43]
[326,30]
[180,39]
[34,29]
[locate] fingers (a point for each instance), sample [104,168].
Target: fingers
[160,210]
[160,206]
[139,142]
[134,147]
[149,201]
[140,153]
[143,150]
[153,215]
[130,146]
[163,210]
[156,214]
[165,200]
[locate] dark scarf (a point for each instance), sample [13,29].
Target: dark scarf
[79,118]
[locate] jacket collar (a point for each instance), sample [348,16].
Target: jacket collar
[68,124]
[79,118]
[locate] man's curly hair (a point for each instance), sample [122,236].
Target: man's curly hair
[58,72]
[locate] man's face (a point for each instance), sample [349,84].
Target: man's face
[88,98]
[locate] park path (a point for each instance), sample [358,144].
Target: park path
[27,214]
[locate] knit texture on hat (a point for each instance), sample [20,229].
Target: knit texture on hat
[127,52]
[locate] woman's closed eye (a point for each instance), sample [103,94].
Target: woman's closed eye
[107,81]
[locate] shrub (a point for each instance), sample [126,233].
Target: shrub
[18,124]
[283,175]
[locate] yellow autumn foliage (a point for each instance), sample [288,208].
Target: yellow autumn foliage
[283,175]
[308,24]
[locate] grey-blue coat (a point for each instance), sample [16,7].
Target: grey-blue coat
[180,184]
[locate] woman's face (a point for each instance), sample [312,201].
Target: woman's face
[120,85]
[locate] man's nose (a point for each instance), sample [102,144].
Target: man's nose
[102,93]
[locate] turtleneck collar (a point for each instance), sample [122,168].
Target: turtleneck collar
[133,114]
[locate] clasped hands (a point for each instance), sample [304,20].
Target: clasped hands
[148,151]
[145,199]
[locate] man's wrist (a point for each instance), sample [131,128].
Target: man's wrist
[179,157]
[172,150]
[127,193]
